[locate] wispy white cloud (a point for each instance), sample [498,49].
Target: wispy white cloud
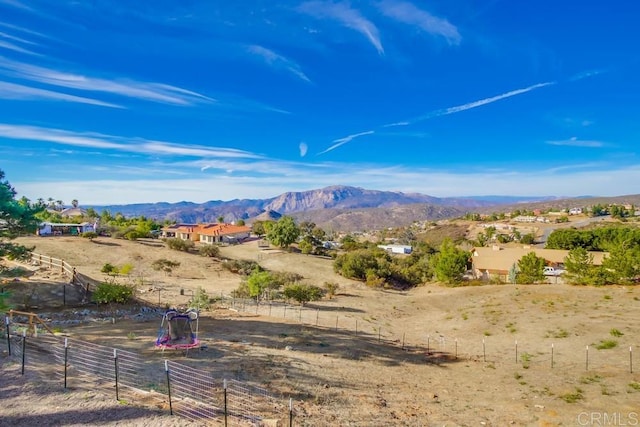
[29,31]
[575,142]
[16,91]
[481,102]
[439,183]
[585,74]
[123,144]
[303,149]
[154,92]
[349,17]
[14,47]
[443,112]
[341,141]
[17,4]
[15,38]
[470,105]
[278,62]
[407,13]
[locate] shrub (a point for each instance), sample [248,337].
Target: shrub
[89,235]
[200,299]
[243,267]
[606,344]
[110,269]
[211,251]
[615,333]
[573,397]
[112,292]
[179,244]
[331,288]
[165,265]
[303,293]
[126,269]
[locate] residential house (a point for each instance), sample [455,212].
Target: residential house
[58,229]
[397,249]
[496,261]
[207,233]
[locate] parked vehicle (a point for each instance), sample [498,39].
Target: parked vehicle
[552,271]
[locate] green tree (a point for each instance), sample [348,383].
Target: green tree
[531,268]
[258,228]
[240,222]
[258,282]
[450,263]
[284,232]
[579,266]
[527,239]
[16,217]
[356,264]
[303,293]
[305,247]
[513,274]
[623,263]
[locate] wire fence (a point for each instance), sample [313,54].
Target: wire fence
[189,392]
[548,353]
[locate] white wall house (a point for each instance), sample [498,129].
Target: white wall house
[397,249]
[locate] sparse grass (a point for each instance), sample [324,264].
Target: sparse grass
[465,316]
[615,333]
[607,297]
[590,379]
[573,397]
[635,386]
[511,327]
[557,333]
[606,344]
[526,359]
[131,336]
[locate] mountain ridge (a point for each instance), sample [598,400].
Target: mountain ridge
[337,206]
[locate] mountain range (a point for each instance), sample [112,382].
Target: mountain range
[337,207]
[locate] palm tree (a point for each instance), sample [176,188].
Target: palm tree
[74,203]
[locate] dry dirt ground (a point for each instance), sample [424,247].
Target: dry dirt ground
[489,355]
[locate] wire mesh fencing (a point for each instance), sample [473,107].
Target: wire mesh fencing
[187,391]
[562,353]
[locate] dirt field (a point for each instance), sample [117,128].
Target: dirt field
[489,355]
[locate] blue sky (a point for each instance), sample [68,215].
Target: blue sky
[109,102]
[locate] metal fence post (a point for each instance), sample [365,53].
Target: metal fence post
[224,387]
[66,360]
[6,321]
[24,348]
[166,369]
[115,361]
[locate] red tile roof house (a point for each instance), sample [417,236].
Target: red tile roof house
[208,233]
[496,261]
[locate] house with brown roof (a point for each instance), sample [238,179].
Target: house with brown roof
[496,261]
[223,233]
[207,233]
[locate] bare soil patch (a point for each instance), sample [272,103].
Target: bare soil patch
[488,355]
